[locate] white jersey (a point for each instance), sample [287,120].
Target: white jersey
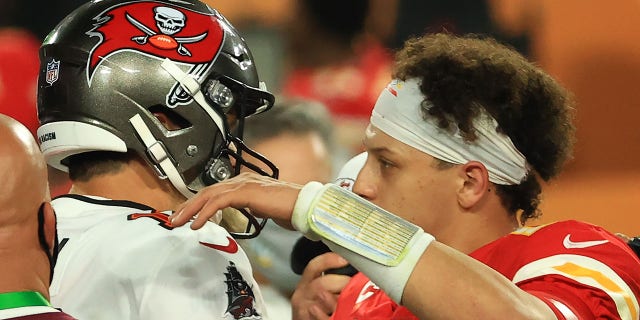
[122,260]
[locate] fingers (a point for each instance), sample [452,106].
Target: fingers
[206,203]
[624,237]
[186,210]
[320,264]
[313,301]
[317,313]
[316,296]
[247,190]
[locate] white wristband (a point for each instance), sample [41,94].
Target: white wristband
[300,218]
[382,245]
[391,280]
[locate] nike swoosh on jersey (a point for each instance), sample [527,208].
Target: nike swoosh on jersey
[232,247]
[581,244]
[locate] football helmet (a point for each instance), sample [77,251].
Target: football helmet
[111,67]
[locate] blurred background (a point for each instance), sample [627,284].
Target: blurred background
[339,53]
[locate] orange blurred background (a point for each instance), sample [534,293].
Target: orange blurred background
[593,48]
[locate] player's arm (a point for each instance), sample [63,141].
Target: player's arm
[431,279]
[436,281]
[444,284]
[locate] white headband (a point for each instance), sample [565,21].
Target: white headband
[398,113]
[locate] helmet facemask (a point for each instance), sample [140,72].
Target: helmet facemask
[227,100]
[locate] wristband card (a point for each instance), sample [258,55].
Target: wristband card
[343,217]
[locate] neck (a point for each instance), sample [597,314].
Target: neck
[478,228]
[24,270]
[136,182]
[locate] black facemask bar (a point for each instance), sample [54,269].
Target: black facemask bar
[220,169]
[246,101]
[254,225]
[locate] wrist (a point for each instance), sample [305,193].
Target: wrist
[300,216]
[380,244]
[391,279]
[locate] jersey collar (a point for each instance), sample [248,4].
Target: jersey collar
[12,300]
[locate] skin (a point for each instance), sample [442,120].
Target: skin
[135,181]
[299,158]
[401,179]
[445,202]
[24,264]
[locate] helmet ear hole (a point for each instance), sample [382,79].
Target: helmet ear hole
[170,119]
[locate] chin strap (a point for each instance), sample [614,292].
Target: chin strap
[156,148]
[159,155]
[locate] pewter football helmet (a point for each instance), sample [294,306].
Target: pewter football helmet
[111,67]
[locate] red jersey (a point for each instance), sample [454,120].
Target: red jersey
[580,270]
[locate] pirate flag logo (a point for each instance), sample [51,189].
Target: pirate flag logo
[161,31]
[240,296]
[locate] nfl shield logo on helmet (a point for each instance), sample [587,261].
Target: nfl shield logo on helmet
[53,69]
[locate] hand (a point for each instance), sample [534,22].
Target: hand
[316,295]
[265,197]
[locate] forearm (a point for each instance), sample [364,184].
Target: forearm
[434,281]
[446,284]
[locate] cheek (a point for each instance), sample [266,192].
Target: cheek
[403,197]
[420,200]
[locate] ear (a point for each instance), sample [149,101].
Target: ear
[476,184]
[49,225]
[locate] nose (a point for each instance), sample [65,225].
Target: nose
[364,185]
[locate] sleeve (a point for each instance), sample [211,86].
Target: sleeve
[583,275]
[201,274]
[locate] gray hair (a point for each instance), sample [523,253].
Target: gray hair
[290,116]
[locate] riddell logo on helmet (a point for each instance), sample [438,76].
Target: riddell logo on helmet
[159,30]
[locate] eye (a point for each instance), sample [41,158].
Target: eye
[385,164]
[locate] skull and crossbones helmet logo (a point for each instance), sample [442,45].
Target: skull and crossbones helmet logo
[169,20]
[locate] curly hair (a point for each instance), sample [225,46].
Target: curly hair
[460,76]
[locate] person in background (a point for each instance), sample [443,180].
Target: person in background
[143,103]
[297,136]
[28,240]
[457,145]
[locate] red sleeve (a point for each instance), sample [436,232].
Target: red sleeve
[581,271]
[570,300]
